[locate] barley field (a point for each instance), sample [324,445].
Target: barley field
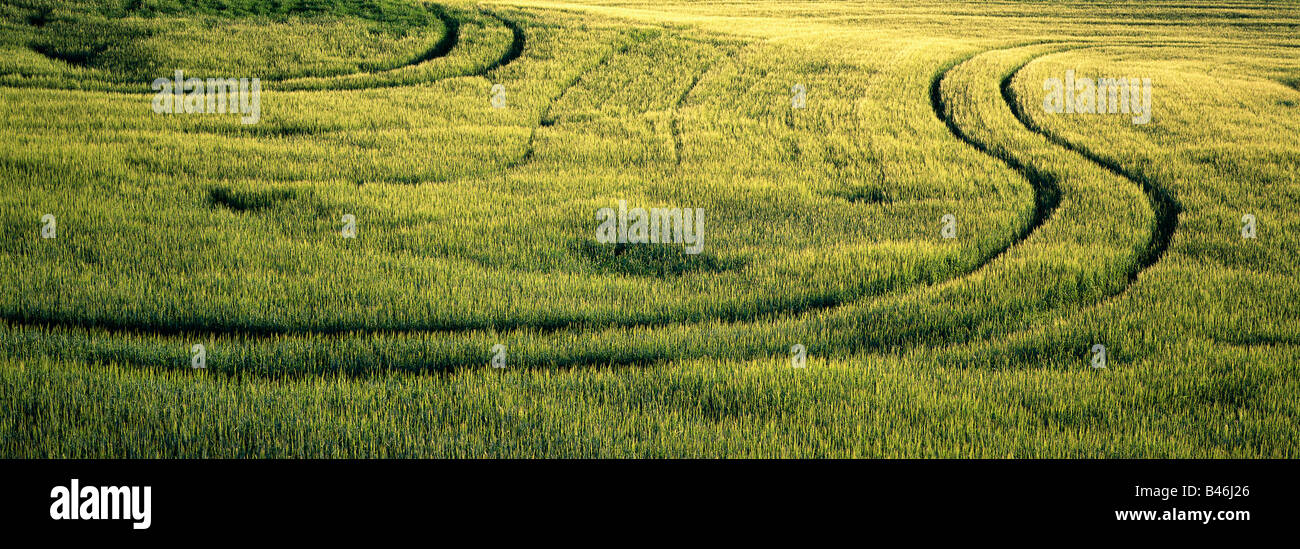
[904,248]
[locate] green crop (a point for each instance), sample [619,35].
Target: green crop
[475,226]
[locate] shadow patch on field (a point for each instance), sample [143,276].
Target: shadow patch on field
[650,260]
[264,130]
[248,201]
[39,18]
[78,58]
[864,195]
[84,43]
[287,129]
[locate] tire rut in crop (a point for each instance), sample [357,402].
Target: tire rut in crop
[512,52]
[445,46]
[674,128]
[1162,203]
[1047,193]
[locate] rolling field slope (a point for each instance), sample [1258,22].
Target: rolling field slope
[882,187]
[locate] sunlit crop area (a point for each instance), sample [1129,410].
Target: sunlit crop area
[399,256]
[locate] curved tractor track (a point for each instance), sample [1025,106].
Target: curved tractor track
[1166,208]
[444,47]
[441,50]
[1046,187]
[1047,193]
